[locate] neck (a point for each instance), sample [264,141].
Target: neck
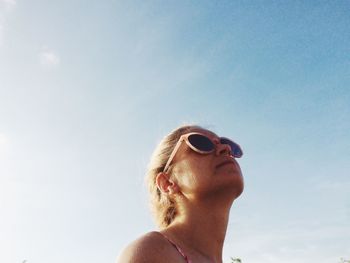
[201,229]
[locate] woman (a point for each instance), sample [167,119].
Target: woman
[193,178]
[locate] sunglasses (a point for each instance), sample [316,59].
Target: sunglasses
[204,145]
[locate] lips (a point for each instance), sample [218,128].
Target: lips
[225,163]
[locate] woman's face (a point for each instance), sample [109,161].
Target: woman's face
[207,174]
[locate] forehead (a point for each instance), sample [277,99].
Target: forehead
[208,133]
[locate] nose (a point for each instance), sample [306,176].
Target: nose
[223,149]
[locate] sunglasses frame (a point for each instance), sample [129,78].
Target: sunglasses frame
[184,137]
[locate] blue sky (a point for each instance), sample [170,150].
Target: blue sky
[87,89]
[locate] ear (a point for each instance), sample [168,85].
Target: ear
[166,185]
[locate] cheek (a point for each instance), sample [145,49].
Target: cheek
[201,172]
[192,172]
[184,173]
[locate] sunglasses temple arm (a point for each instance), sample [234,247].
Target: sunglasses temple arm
[172,155]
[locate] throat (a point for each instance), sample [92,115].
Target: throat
[201,232]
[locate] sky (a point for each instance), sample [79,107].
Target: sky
[87,90]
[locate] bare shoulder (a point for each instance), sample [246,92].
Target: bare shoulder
[151,247]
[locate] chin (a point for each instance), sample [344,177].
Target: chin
[230,187]
[239,190]
[237,187]
[235,184]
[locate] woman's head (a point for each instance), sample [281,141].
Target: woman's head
[163,206]
[197,172]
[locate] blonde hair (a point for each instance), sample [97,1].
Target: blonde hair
[163,207]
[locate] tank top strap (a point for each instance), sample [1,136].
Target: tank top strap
[177,248]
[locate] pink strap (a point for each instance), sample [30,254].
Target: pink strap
[177,248]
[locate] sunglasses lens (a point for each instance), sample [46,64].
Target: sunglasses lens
[236,150]
[201,142]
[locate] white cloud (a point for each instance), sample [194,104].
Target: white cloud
[1,30]
[4,142]
[299,243]
[3,139]
[335,186]
[49,58]
[6,7]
